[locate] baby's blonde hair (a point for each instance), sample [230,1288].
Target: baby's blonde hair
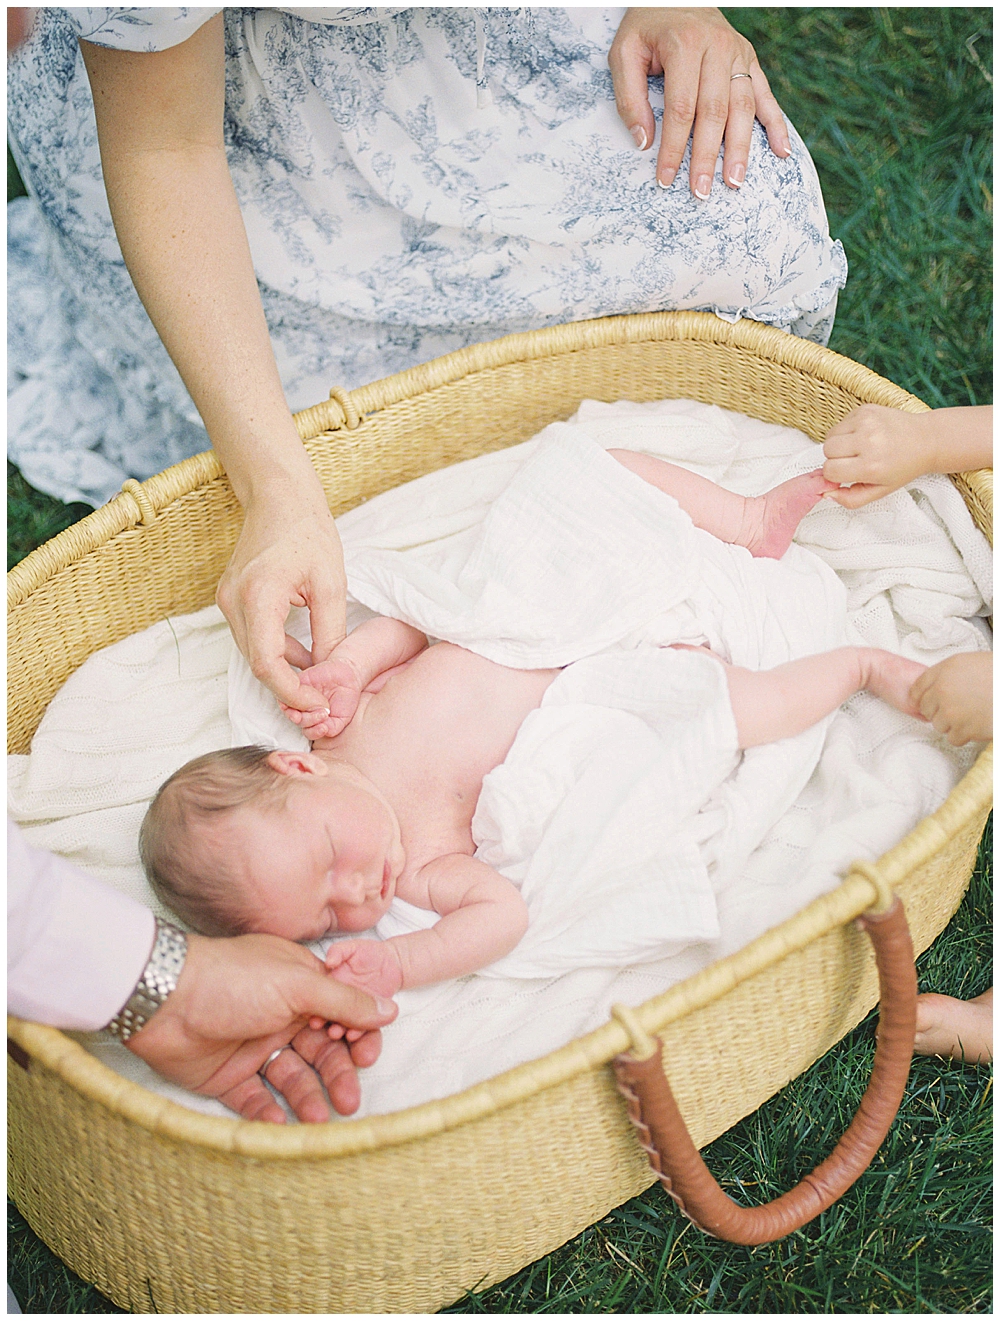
[188,877]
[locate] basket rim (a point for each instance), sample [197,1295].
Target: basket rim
[141,502]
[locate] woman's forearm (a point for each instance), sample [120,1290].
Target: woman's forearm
[160,126]
[179,225]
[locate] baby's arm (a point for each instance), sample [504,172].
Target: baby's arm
[366,655]
[482,918]
[878,449]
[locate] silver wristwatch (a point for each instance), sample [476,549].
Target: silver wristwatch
[158,981]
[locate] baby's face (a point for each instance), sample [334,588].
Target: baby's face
[326,860]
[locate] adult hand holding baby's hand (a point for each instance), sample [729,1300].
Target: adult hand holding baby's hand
[371,965]
[956,696]
[340,686]
[237,1001]
[279,562]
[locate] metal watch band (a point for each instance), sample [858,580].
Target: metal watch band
[158,981]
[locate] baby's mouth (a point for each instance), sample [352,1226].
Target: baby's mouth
[386,879]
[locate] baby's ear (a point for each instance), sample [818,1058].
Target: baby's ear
[298,765]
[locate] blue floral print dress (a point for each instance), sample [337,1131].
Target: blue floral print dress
[412,181]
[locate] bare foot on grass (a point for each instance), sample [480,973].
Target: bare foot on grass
[957,1029]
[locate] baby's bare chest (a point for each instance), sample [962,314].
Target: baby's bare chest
[438,728]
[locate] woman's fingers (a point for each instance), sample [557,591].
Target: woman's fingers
[629,61]
[768,111]
[712,83]
[680,104]
[711,119]
[325,598]
[739,131]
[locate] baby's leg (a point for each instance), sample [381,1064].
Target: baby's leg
[774,704]
[764,524]
[961,1029]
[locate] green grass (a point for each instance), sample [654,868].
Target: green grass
[895,105]
[33,517]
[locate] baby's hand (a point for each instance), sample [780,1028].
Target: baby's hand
[877,450]
[340,684]
[371,965]
[957,697]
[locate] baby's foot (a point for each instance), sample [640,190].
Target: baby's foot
[771,519]
[891,677]
[959,1029]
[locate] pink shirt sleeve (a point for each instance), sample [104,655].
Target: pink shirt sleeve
[75,947]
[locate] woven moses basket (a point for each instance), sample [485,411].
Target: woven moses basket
[168,1210]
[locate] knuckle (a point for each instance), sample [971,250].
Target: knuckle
[260,667]
[714,108]
[680,110]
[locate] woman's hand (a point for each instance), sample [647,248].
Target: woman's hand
[237,1000]
[698,54]
[285,557]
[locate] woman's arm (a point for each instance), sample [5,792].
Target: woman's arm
[160,127]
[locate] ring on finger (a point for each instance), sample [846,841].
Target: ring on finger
[740,75]
[262,1071]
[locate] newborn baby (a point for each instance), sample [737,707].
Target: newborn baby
[306,844]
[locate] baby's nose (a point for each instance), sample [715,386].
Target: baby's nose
[356,888]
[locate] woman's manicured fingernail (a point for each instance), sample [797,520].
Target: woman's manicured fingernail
[639,136]
[666,177]
[702,187]
[384,1006]
[736,175]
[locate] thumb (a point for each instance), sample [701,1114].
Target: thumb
[322,997]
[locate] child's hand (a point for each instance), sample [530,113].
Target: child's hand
[340,684]
[371,965]
[877,450]
[957,697]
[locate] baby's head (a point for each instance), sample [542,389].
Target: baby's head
[251,839]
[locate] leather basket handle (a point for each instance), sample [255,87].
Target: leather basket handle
[675,1159]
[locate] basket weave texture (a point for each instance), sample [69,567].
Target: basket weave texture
[168,1210]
